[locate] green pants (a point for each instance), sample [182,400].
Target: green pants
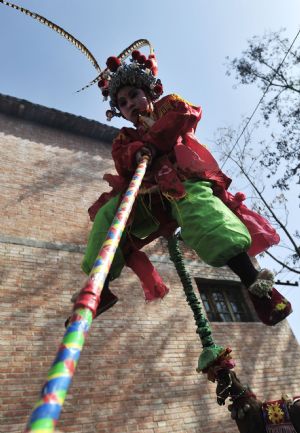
[208,226]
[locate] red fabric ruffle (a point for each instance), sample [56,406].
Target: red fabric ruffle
[262,233]
[151,281]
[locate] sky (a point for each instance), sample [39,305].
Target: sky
[191,40]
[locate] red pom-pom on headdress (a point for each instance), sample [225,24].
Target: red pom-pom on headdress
[102,83]
[142,59]
[158,89]
[113,63]
[135,54]
[154,68]
[149,64]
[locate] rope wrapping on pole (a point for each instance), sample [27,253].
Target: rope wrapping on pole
[47,410]
[211,353]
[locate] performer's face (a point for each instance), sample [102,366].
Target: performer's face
[132,102]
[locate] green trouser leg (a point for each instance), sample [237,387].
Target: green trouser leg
[144,224]
[97,236]
[208,226]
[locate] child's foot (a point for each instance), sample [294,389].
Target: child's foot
[270,306]
[108,300]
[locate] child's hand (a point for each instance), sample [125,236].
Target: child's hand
[148,150]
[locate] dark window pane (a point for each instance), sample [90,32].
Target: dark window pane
[223,303]
[206,306]
[226,317]
[234,307]
[219,302]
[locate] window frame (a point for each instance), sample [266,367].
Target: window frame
[205,286]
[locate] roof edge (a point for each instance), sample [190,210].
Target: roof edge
[29,111]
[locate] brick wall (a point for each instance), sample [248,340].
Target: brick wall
[137,370]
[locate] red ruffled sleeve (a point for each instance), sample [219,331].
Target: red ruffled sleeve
[124,149]
[176,117]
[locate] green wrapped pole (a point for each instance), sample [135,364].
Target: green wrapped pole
[47,410]
[211,352]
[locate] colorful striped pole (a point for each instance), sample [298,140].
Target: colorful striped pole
[47,410]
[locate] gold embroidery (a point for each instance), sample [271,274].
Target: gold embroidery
[167,104]
[164,108]
[120,137]
[176,97]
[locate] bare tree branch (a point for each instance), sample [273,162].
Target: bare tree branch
[284,265]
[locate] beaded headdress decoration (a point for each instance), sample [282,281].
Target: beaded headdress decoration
[139,72]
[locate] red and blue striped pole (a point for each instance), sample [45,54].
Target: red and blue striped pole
[47,410]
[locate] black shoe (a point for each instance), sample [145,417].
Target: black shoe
[108,300]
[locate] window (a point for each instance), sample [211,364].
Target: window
[223,301]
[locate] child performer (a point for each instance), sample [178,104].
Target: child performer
[183,187]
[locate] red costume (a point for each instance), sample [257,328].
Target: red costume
[180,156]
